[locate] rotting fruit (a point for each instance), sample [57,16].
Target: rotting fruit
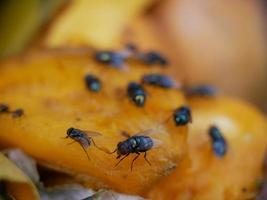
[206,173]
[49,86]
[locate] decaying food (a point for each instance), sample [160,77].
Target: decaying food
[236,172]
[54,97]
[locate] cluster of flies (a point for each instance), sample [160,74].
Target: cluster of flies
[4,108]
[142,142]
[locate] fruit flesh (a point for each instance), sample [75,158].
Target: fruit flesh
[50,87]
[205,176]
[98,23]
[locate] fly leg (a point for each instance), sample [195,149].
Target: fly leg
[82,147]
[146,159]
[102,148]
[72,142]
[85,152]
[122,159]
[138,154]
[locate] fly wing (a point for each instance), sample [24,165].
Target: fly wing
[157,143]
[92,133]
[149,132]
[84,142]
[125,134]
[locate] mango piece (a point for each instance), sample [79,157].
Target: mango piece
[18,184]
[97,23]
[49,86]
[203,175]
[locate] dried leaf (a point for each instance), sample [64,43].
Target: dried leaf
[17,183]
[25,163]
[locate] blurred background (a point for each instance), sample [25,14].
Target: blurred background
[220,42]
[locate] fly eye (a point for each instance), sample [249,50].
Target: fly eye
[69,131]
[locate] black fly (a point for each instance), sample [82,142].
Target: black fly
[112,58]
[153,58]
[219,144]
[17,113]
[202,90]
[139,143]
[92,83]
[84,138]
[159,80]
[4,108]
[182,116]
[137,94]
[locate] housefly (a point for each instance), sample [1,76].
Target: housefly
[153,58]
[182,116]
[17,113]
[137,94]
[4,108]
[219,144]
[136,144]
[202,90]
[84,138]
[159,80]
[92,83]
[111,58]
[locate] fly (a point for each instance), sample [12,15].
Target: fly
[219,144]
[159,80]
[182,116]
[4,108]
[136,144]
[202,90]
[137,94]
[84,138]
[112,58]
[92,83]
[17,113]
[153,58]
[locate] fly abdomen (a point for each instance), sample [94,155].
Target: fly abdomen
[124,147]
[144,143]
[219,144]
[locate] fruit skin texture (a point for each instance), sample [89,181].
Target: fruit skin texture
[203,175]
[50,87]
